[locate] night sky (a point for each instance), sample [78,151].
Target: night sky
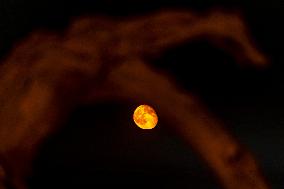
[101,146]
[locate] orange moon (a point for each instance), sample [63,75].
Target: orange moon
[145,117]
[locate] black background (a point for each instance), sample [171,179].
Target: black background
[96,151]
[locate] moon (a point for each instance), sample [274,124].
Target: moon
[145,117]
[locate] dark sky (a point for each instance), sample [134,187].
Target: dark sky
[250,101]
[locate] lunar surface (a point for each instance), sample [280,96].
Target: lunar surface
[145,117]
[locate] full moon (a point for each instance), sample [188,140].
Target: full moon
[145,117]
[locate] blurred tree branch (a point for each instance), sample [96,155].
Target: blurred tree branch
[48,75]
